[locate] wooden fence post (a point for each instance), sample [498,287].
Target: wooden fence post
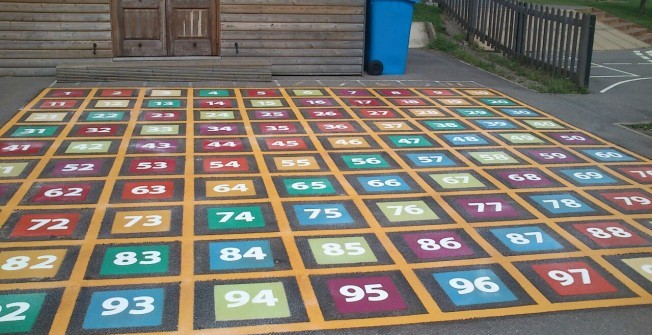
[519,34]
[472,7]
[586,50]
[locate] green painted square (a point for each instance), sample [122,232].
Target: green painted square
[163,129]
[88,147]
[410,141]
[235,217]
[250,301]
[306,93]
[456,180]
[521,138]
[445,125]
[221,115]
[214,93]
[163,103]
[365,161]
[493,157]
[12,169]
[309,186]
[544,124]
[135,259]
[105,116]
[402,211]
[27,131]
[266,103]
[24,321]
[474,112]
[497,102]
[341,250]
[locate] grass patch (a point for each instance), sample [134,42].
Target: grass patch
[625,9]
[645,128]
[495,63]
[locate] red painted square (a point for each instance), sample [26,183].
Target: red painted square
[78,168]
[609,234]
[219,129]
[152,165]
[65,93]
[365,295]
[288,144]
[21,148]
[62,193]
[362,102]
[225,164]
[222,145]
[409,102]
[396,93]
[377,113]
[47,224]
[157,146]
[262,93]
[627,201]
[641,173]
[325,114]
[335,127]
[214,103]
[437,93]
[97,130]
[315,102]
[162,116]
[353,92]
[116,93]
[277,128]
[573,278]
[148,190]
[58,104]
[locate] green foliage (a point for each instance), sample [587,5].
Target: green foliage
[626,9]
[426,13]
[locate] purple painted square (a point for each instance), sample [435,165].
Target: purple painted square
[437,245]
[374,294]
[573,138]
[78,168]
[316,102]
[272,114]
[218,129]
[524,178]
[157,146]
[488,207]
[552,156]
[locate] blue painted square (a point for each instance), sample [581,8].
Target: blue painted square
[126,309]
[445,125]
[465,139]
[240,255]
[563,203]
[474,287]
[519,112]
[434,159]
[588,176]
[322,214]
[495,124]
[526,239]
[380,184]
[608,155]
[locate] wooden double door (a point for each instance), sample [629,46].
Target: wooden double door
[150,28]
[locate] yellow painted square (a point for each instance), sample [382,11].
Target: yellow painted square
[454,102]
[478,92]
[230,188]
[299,163]
[134,222]
[348,142]
[165,93]
[46,117]
[393,126]
[426,112]
[21,264]
[641,265]
[112,104]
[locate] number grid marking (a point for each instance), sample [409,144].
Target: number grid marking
[384,220]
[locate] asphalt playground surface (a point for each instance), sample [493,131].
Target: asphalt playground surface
[544,233]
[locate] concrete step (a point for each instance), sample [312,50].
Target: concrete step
[647,38]
[636,31]
[622,26]
[611,20]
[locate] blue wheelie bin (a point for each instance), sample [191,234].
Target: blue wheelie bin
[388,35]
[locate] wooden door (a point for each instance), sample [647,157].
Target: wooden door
[150,28]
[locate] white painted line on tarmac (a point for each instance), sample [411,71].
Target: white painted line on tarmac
[617,63]
[616,70]
[611,76]
[623,82]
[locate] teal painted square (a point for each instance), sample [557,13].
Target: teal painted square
[309,186]
[105,116]
[25,321]
[588,176]
[135,259]
[526,239]
[144,308]
[164,103]
[474,287]
[404,141]
[495,124]
[214,93]
[365,162]
[426,159]
[465,139]
[474,112]
[41,131]
[522,112]
[561,203]
[322,214]
[608,155]
[498,101]
[382,184]
[444,125]
[220,218]
[240,255]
